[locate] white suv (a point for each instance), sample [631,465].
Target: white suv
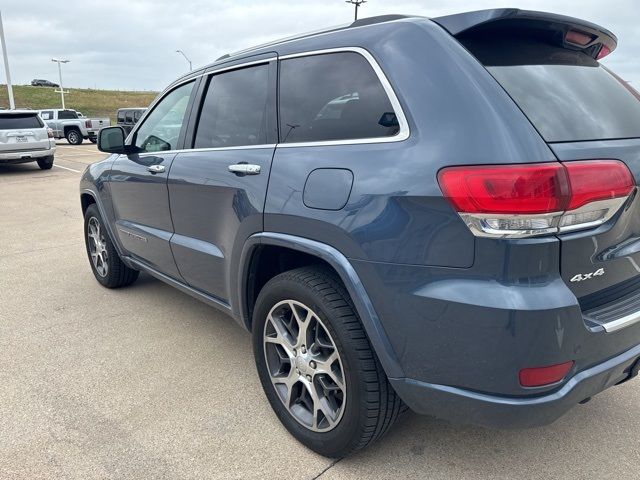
[24,137]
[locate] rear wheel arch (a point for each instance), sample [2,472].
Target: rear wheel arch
[300,252]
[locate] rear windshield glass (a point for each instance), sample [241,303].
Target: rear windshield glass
[19,121]
[567,95]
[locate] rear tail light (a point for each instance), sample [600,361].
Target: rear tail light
[87,123]
[49,133]
[578,38]
[536,199]
[543,376]
[604,51]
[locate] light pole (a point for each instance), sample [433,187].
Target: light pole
[12,104]
[357,3]
[186,58]
[58,61]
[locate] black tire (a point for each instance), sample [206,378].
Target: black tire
[93,139]
[73,136]
[117,274]
[371,404]
[45,163]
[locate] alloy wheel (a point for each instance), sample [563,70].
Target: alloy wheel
[304,366]
[97,247]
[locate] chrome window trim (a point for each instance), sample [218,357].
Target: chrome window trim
[209,149]
[192,78]
[404,132]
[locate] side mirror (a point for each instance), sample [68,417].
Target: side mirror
[111,140]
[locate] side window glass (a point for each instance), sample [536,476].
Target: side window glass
[235,109]
[46,115]
[67,115]
[137,114]
[129,117]
[120,115]
[335,96]
[161,128]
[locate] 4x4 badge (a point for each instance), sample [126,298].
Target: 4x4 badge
[586,276]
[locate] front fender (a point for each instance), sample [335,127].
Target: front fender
[370,320]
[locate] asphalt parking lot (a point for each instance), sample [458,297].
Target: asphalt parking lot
[146,382]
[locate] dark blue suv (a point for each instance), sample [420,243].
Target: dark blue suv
[433,213]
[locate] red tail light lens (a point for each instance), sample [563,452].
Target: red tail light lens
[595,180]
[604,51]
[541,376]
[49,133]
[578,38]
[536,199]
[87,123]
[535,188]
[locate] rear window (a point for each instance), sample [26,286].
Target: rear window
[20,121]
[567,95]
[334,96]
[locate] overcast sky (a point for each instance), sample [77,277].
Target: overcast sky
[130,44]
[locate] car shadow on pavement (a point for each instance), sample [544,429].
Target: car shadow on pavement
[21,168]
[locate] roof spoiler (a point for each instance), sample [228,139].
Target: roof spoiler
[573,33]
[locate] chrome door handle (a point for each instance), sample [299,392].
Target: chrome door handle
[245,168]
[156,168]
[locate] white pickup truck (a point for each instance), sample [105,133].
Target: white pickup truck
[67,124]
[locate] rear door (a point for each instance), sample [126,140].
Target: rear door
[22,131]
[139,183]
[217,188]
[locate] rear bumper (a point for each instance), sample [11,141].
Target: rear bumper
[466,406]
[23,156]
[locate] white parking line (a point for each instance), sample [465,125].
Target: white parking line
[86,152]
[67,168]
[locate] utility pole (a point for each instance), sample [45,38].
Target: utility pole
[12,103]
[58,61]
[186,58]
[357,3]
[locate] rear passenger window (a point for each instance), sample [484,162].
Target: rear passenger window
[235,110]
[333,96]
[129,117]
[67,115]
[48,115]
[121,115]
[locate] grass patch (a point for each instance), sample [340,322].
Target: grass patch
[92,103]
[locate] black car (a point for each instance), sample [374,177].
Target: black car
[38,82]
[128,117]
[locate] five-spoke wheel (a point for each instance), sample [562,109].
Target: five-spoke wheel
[304,365]
[107,266]
[316,365]
[97,247]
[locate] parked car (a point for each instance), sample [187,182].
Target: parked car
[128,117]
[455,231]
[36,82]
[67,124]
[25,138]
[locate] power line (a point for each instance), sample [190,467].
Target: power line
[357,3]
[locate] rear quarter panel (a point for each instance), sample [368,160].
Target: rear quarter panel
[396,213]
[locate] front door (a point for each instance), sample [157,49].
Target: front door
[217,189]
[139,184]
